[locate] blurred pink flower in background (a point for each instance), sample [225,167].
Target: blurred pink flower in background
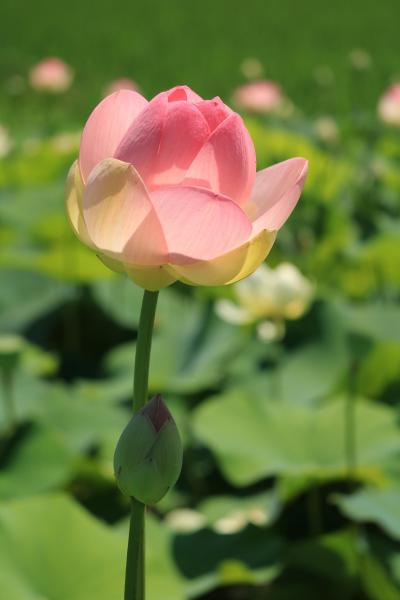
[168,190]
[389,105]
[124,83]
[51,75]
[258,96]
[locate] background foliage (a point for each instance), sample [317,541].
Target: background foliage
[291,480]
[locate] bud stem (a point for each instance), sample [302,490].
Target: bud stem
[134,576]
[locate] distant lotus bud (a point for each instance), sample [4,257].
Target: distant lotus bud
[148,457]
[51,75]
[258,96]
[389,105]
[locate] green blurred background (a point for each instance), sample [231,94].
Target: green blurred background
[290,488]
[160,44]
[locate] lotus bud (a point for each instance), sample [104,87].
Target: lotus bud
[148,457]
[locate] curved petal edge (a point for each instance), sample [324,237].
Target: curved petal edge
[150,278]
[73,204]
[229,267]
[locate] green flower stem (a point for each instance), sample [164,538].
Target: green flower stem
[134,577]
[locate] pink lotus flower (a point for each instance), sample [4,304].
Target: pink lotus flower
[258,96]
[168,190]
[51,75]
[389,105]
[121,84]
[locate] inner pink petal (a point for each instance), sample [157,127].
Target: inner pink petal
[141,142]
[227,162]
[214,111]
[184,133]
[183,92]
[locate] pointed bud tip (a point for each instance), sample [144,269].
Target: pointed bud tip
[157,412]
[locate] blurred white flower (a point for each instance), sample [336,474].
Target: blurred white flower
[251,68]
[121,84]
[258,516]
[326,129]
[185,520]
[51,75]
[238,519]
[258,96]
[5,142]
[268,296]
[389,105]
[271,331]
[232,523]
[360,59]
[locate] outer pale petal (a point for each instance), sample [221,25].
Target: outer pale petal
[151,278]
[119,215]
[73,204]
[230,267]
[275,194]
[227,162]
[184,133]
[106,127]
[142,140]
[259,248]
[199,224]
[111,263]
